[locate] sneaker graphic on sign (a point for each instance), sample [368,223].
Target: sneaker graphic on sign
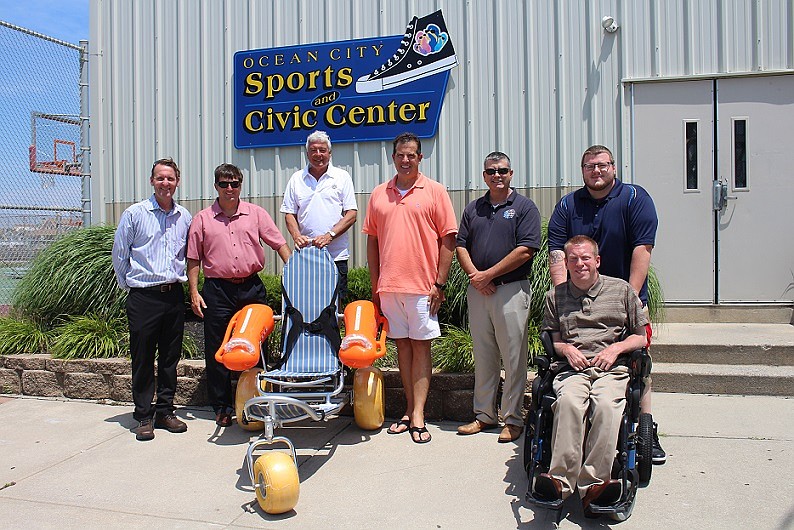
[425,50]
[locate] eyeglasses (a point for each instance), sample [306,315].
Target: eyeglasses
[603,166]
[226,183]
[493,171]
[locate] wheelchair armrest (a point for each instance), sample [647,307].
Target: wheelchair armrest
[640,363]
[542,362]
[548,344]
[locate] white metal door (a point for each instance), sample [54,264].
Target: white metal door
[673,159]
[723,193]
[755,118]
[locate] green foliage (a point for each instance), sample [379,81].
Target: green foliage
[540,279]
[91,336]
[73,276]
[190,348]
[453,351]
[454,311]
[21,336]
[358,285]
[655,297]
[390,359]
[272,285]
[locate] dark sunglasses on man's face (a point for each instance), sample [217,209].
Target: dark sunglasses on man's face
[226,183]
[502,171]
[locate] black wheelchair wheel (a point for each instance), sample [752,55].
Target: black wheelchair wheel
[645,449]
[529,435]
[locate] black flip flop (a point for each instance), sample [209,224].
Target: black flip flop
[419,431]
[404,421]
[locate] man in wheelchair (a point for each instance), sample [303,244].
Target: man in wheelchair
[595,323]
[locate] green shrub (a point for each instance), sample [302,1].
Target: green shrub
[540,278]
[453,351]
[390,359]
[90,336]
[73,276]
[21,336]
[655,297]
[358,285]
[190,348]
[272,285]
[454,310]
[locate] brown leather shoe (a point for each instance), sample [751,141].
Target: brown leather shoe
[548,488]
[170,423]
[475,427]
[510,433]
[145,430]
[223,419]
[602,495]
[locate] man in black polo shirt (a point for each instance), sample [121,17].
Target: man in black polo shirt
[499,233]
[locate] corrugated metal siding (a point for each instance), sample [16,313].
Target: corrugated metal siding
[537,79]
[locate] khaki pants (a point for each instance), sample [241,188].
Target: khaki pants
[601,397]
[498,325]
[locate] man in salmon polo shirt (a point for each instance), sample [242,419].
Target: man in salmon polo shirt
[411,229]
[224,240]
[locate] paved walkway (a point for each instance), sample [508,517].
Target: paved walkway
[68,464]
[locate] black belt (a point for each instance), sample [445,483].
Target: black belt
[505,282]
[162,288]
[236,281]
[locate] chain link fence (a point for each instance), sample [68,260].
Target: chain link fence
[41,153]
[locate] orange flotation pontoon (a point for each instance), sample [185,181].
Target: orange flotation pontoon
[246,332]
[365,335]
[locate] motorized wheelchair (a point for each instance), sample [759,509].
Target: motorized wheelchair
[633,455]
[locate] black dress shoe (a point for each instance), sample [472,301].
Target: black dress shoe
[145,430]
[170,423]
[223,419]
[548,488]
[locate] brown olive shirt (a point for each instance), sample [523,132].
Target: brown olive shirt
[593,319]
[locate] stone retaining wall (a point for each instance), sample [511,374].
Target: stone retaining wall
[450,396]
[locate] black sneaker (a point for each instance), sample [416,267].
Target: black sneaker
[425,50]
[145,430]
[659,457]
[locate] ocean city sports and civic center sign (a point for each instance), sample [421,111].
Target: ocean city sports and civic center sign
[358,90]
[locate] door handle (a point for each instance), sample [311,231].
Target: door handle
[720,196]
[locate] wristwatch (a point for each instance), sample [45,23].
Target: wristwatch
[440,286]
[332,234]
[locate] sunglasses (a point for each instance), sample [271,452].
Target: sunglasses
[225,184]
[502,171]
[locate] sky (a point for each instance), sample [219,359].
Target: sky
[36,75]
[66,20]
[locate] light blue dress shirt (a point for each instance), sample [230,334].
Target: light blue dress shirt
[150,243]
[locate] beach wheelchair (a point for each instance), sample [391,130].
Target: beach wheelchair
[633,455]
[305,379]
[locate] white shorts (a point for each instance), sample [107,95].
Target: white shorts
[409,316]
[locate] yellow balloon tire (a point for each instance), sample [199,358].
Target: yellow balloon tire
[246,389]
[369,398]
[279,485]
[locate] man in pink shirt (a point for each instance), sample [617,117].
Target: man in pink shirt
[411,228]
[224,240]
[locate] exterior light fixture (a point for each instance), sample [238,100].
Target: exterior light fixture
[609,24]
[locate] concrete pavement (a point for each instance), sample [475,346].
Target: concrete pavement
[70,464]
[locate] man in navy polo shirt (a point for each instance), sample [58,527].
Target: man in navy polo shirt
[499,233]
[621,218]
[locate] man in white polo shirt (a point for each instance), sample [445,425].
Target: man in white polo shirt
[320,205]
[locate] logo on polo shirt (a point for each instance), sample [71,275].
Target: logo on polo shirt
[509,214]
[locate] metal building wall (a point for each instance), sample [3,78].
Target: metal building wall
[540,80]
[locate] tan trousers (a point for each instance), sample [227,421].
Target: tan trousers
[498,325]
[601,396]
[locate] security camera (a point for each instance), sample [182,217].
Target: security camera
[609,24]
